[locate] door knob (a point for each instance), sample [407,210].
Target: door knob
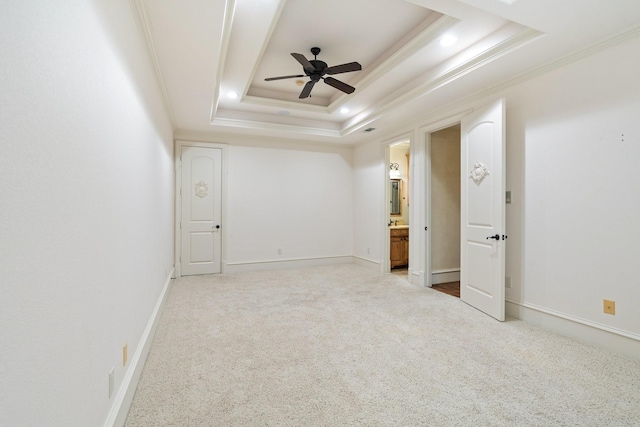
[217,226]
[496,237]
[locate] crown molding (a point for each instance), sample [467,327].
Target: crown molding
[142,22]
[263,48]
[426,36]
[289,105]
[393,101]
[561,62]
[257,125]
[443,115]
[227,22]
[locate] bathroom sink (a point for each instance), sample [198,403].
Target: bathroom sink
[399,226]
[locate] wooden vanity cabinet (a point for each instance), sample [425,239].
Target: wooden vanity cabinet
[399,247]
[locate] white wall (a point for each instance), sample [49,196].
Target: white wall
[86,198]
[572,224]
[290,197]
[370,177]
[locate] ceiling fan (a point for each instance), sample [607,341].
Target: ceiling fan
[316,70]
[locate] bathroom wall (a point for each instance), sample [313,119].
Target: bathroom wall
[445,200]
[398,154]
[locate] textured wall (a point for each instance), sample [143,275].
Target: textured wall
[445,199]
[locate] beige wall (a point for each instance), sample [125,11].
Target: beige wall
[445,199]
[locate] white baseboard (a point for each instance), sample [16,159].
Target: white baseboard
[415,277]
[240,267]
[445,276]
[367,263]
[122,402]
[618,341]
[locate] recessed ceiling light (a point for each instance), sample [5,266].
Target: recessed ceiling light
[344,110]
[232,95]
[448,40]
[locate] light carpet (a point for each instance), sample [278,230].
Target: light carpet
[344,346]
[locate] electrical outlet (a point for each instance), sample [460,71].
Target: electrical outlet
[111,382]
[279,251]
[124,355]
[507,282]
[368,251]
[609,306]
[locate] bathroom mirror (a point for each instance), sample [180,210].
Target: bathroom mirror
[396,196]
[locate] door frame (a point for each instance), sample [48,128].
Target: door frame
[423,180]
[177,152]
[385,265]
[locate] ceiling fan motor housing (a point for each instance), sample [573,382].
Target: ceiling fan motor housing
[318,71]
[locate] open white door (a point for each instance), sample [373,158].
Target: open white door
[201,210]
[482,218]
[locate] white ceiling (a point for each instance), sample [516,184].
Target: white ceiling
[205,49]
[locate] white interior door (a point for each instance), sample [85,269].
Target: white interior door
[482,216]
[201,190]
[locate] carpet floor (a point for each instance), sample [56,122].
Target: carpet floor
[343,346]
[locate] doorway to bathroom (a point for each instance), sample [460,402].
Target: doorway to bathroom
[444,209]
[398,190]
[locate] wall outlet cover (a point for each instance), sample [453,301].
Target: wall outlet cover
[609,306]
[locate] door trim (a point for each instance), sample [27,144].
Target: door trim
[385,264]
[422,214]
[177,150]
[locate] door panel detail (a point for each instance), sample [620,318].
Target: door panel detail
[482,210]
[201,210]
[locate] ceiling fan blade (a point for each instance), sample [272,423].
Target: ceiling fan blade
[344,68]
[306,90]
[268,79]
[339,85]
[303,61]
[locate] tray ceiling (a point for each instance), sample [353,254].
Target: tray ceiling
[205,51]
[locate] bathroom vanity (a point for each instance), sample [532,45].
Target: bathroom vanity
[399,240]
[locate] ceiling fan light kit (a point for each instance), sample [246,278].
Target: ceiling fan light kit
[316,71]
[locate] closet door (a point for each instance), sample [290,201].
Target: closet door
[201,189]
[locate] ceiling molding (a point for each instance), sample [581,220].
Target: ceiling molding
[227,23]
[265,43]
[565,60]
[394,101]
[142,22]
[430,33]
[267,126]
[426,36]
[280,103]
[427,122]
